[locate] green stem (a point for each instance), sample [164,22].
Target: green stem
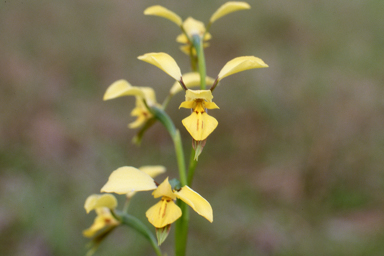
[197,42]
[181,230]
[192,167]
[181,225]
[180,158]
[139,226]
[166,101]
[175,135]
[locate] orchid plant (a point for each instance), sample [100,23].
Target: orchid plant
[175,194]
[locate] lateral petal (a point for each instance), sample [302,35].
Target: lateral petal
[228,8]
[96,201]
[164,62]
[187,104]
[153,170]
[211,105]
[240,64]
[121,88]
[196,201]
[163,213]
[127,179]
[161,11]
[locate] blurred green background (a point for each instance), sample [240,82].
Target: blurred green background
[295,166]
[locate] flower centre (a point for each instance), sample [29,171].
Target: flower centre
[199,106]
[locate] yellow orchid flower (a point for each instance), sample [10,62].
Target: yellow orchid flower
[191,26]
[123,88]
[102,204]
[127,179]
[199,124]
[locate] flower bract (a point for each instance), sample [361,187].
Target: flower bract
[127,179]
[199,124]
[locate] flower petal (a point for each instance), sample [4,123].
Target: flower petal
[164,189]
[187,104]
[191,79]
[228,8]
[210,105]
[196,201]
[200,125]
[149,95]
[161,11]
[153,170]
[97,201]
[97,225]
[121,88]
[164,62]
[193,27]
[103,219]
[240,64]
[141,119]
[127,179]
[163,213]
[191,95]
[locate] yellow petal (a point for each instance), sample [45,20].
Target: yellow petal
[164,189]
[240,64]
[187,104]
[97,201]
[153,170]
[191,95]
[164,62]
[103,219]
[141,119]
[121,88]
[97,225]
[161,11]
[190,80]
[163,213]
[228,8]
[193,27]
[182,38]
[210,105]
[196,201]
[149,95]
[127,179]
[200,125]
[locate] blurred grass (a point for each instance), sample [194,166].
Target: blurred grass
[294,168]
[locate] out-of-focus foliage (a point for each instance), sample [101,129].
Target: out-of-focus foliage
[295,166]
